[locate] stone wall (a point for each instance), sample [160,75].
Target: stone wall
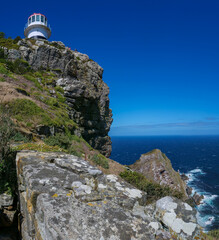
[64,197]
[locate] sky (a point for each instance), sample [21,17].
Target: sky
[160,58]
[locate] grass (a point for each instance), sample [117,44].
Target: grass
[2,79]
[154,190]
[31,77]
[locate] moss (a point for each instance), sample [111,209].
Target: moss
[154,191]
[100,160]
[41,147]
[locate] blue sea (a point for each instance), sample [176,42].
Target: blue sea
[196,156]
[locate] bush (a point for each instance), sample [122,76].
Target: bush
[17,39]
[60,140]
[154,190]
[3,69]
[100,160]
[7,156]
[213,234]
[19,66]
[2,54]
[2,35]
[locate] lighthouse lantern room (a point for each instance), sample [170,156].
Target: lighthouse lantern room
[37,27]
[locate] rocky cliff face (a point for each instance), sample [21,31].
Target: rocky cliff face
[64,197]
[81,78]
[157,167]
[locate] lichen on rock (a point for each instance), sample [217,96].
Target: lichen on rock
[64,197]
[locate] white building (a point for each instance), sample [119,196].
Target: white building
[37,27]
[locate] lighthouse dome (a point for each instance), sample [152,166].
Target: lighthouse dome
[37,27]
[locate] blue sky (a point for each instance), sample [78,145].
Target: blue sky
[160,58]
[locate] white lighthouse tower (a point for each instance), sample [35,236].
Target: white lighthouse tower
[37,27]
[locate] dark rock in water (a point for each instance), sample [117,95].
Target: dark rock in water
[81,78]
[184,177]
[64,197]
[157,167]
[197,198]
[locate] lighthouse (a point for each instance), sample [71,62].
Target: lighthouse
[37,27]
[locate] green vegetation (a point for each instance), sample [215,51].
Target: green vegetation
[71,143]
[56,45]
[2,80]
[59,89]
[60,140]
[3,69]
[41,147]
[7,156]
[30,76]
[23,91]
[213,234]
[100,160]
[154,190]
[18,137]
[8,42]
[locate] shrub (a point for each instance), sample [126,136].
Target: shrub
[100,160]
[2,35]
[19,66]
[17,39]
[154,190]
[18,137]
[60,140]
[213,234]
[3,69]
[2,54]
[7,156]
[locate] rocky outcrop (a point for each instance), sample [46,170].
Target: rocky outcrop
[81,78]
[157,167]
[64,197]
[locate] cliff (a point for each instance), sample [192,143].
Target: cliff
[50,74]
[158,168]
[64,197]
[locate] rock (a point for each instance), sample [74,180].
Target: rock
[81,78]
[64,197]
[157,167]
[5,200]
[178,217]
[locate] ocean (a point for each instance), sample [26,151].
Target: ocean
[196,156]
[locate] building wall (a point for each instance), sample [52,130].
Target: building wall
[37,32]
